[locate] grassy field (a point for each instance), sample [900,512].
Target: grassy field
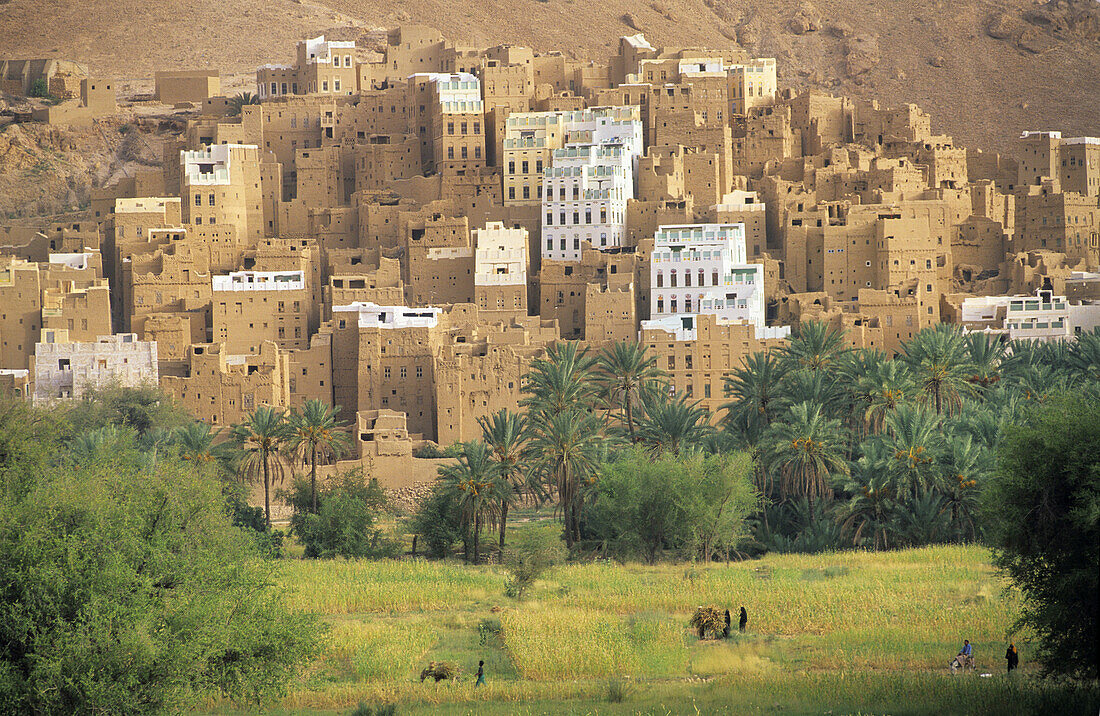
[850,632]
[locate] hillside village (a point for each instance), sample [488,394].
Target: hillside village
[401,232]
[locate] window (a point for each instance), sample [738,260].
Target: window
[210,200]
[386,372]
[198,200]
[511,166]
[324,86]
[524,164]
[463,151]
[336,85]
[450,127]
[464,125]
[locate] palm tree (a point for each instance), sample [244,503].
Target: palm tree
[913,439]
[474,483]
[965,468]
[987,356]
[756,391]
[505,433]
[99,444]
[673,425]
[808,449]
[259,439]
[198,443]
[314,436]
[816,347]
[817,387]
[872,498]
[941,364]
[560,382]
[921,520]
[622,369]
[1084,356]
[242,99]
[564,450]
[879,391]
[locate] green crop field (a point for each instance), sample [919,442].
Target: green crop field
[852,632]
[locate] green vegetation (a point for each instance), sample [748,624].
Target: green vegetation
[528,558]
[642,506]
[1043,509]
[39,88]
[240,100]
[342,520]
[125,587]
[845,631]
[135,576]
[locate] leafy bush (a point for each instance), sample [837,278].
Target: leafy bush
[252,519]
[1043,512]
[154,599]
[39,88]
[692,504]
[428,451]
[488,630]
[344,525]
[617,690]
[530,554]
[365,709]
[438,522]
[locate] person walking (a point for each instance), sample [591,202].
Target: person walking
[744,620]
[1012,657]
[480,674]
[726,630]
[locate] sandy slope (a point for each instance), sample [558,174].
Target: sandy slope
[986,91]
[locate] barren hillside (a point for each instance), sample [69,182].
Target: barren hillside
[985,69]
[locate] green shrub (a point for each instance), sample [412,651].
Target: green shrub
[488,630]
[126,589]
[528,557]
[365,709]
[39,88]
[438,523]
[344,525]
[428,451]
[617,690]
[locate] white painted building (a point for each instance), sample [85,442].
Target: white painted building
[208,166]
[683,328]
[69,369]
[259,281]
[588,183]
[585,194]
[1042,317]
[368,315]
[500,258]
[703,268]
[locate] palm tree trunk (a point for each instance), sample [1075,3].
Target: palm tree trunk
[503,522]
[313,476]
[267,491]
[629,416]
[477,534]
